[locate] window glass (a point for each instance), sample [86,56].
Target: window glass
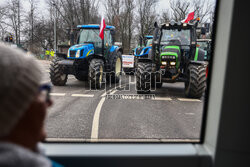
[90,35]
[183,36]
[138,94]
[108,38]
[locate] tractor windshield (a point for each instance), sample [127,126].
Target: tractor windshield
[202,44]
[183,36]
[149,42]
[90,35]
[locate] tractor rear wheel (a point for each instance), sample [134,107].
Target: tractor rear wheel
[143,77]
[57,77]
[117,68]
[95,75]
[196,81]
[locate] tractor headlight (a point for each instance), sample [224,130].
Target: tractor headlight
[172,63]
[184,24]
[164,63]
[78,54]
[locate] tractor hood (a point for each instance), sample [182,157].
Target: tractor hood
[80,51]
[142,51]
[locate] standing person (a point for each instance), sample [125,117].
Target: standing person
[23,106]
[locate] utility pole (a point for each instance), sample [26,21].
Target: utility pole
[18,16]
[55,43]
[32,23]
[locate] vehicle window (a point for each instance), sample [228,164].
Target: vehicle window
[134,94]
[108,38]
[88,35]
[183,36]
[149,42]
[202,45]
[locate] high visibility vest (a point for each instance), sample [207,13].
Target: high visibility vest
[48,52]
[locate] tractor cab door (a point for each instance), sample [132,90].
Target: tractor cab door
[107,44]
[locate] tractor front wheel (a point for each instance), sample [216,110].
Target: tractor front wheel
[117,68]
[57,77]
[196,81]
[95,75]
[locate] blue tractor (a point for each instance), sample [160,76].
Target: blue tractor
[143,49]
[90,59]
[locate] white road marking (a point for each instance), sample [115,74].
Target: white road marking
[105,93]
[57,94]
[82,95]
[191,113]
[113,92]
[163,98]
[120,140]
[185,99]
[95,124]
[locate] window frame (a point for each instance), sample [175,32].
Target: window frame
[171,154]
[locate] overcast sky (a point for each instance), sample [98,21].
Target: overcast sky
[162,5]
[43,8]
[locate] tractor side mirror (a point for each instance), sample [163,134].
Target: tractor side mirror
[112,32]
[203,31]
[156,25]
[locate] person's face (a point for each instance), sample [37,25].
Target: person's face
[36,115]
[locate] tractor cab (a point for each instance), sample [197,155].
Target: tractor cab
[144,47]
[177,46]
[148,40]
[205,44]
[89,42]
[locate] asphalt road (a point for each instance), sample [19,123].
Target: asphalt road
[80,114]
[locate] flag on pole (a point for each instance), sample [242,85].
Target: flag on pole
[189,17]
[102,28]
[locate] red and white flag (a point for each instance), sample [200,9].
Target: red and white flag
[189,17]
[102,28]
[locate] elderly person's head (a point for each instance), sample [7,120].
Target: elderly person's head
[22,106]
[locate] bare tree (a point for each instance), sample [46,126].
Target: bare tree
[146,16]
[3,26]
[203,9]
[180,9]
[120,13]
[13,14]
[74,12]
[31,20]
[165,16]
[129,16]
[113,15]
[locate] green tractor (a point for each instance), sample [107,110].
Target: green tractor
[90,59]
[174,57]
